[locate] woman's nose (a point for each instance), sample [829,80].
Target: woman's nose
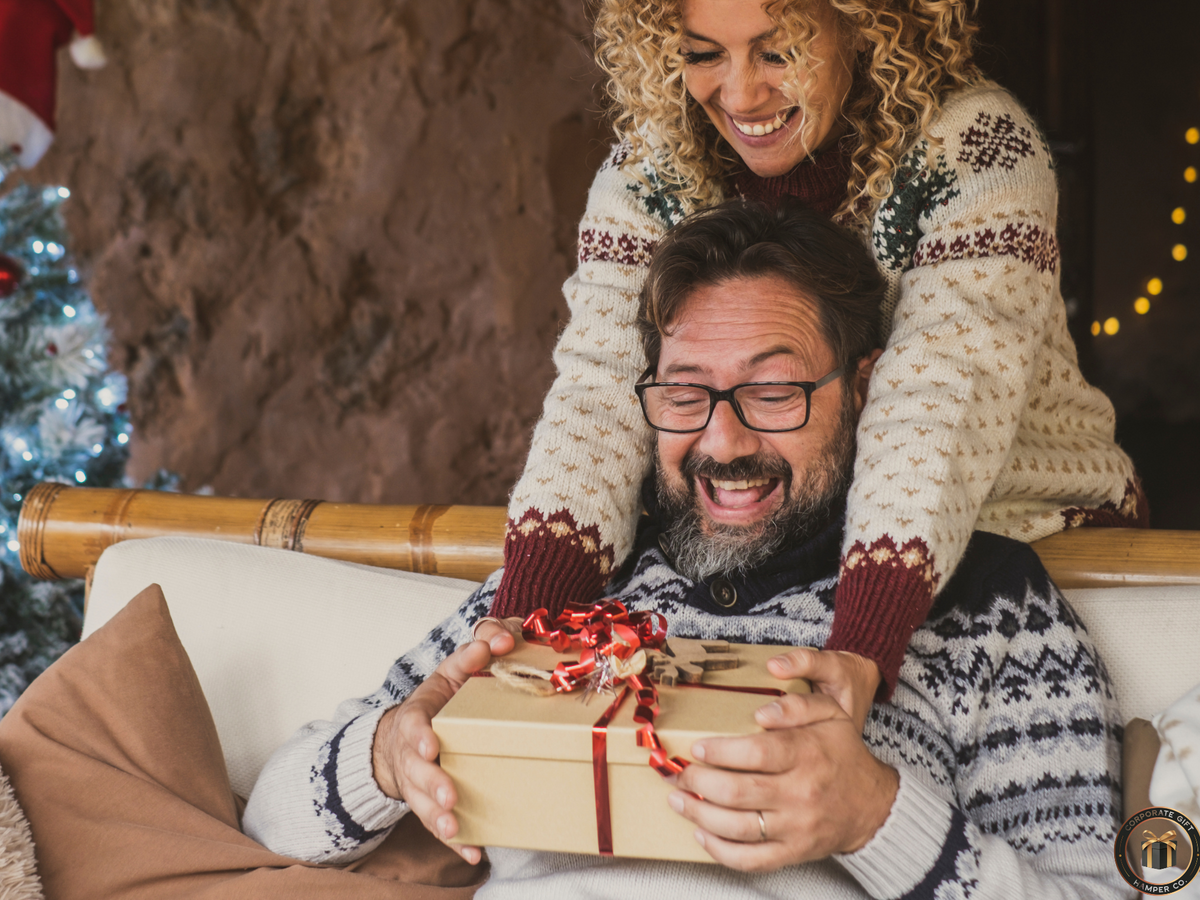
[745,90]
[726,438]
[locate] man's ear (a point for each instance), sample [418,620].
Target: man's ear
[862,377]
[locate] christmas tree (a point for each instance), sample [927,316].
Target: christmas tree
[62,415]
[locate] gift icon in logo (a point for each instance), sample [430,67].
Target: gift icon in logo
[1158,852]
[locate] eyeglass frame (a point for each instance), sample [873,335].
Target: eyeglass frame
[715,396]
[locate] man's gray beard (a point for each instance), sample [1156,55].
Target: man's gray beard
[700,548]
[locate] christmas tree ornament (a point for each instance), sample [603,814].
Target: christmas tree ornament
[31,33]
[11,273]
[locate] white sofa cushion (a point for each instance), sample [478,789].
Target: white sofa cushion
[277,638]
[1148,637]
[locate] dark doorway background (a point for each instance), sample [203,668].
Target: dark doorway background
[1117,89]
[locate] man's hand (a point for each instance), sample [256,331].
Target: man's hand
[818,788]
[406,749]
[848,678]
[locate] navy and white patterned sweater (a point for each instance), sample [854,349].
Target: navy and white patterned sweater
[1004,729]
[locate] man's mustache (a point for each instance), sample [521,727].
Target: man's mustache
[744,468]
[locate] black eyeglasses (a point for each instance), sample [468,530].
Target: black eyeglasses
[681,408]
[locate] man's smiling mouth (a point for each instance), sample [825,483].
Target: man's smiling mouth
[737,494]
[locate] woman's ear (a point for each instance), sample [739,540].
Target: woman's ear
[862,377]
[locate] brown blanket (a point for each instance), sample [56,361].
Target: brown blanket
[113,756]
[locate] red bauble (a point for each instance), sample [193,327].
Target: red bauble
[11,273]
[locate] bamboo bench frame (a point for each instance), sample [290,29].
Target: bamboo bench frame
[63,530]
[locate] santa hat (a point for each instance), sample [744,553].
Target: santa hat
[31,33]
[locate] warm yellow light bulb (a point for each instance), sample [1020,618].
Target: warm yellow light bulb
[1154,287]
[1179,252]
[1179,215]
[1111,325]
[1192,135]
[1189,174]
[1095,328]
[1141,306]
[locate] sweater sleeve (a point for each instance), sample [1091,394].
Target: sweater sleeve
[317,799]
[1008,676]
[978,362]
[572,514]
[929,849]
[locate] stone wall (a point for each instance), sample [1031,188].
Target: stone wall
[330,237]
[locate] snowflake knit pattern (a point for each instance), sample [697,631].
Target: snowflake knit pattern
[1004,729]
[978,416]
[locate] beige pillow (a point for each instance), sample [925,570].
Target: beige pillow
[114,757]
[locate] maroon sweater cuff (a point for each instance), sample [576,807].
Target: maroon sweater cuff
[550,561]
[884,593]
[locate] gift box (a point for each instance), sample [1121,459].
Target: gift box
[560,774]
[1158,852]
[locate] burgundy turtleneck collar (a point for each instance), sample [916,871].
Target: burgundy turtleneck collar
[819,181]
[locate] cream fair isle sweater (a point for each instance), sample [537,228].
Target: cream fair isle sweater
[978,416]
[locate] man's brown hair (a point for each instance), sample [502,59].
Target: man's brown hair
[745,239]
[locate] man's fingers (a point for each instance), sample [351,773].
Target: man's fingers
[850,679]
[746,753]
[825,667]
[496,636]
[794,710]
[765,856]
[735,790]
[731,824]
[465,662]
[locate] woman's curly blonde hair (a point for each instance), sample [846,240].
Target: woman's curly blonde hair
[916,51]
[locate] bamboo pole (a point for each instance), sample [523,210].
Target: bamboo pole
[63,530]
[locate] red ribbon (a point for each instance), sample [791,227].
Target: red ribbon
[607,628]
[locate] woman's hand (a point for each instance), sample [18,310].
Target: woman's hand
[848,678]
[815,784]
[406,749]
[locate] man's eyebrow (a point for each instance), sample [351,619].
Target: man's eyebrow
[757,359]
[757,39]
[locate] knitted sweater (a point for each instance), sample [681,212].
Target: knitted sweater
[1003,727]
[978,416]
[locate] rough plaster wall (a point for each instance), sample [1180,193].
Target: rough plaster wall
[330,236]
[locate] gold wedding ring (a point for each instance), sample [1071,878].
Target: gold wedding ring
[762,827]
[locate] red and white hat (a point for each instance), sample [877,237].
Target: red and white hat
[31,33]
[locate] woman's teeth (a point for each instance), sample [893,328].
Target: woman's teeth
[759,129]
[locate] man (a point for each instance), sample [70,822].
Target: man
[990,773]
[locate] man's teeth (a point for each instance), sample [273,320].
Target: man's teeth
[759,129]
[740,485]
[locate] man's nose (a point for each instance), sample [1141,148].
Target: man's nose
[726,438]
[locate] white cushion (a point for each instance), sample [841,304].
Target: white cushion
[277,638]
[1148,637]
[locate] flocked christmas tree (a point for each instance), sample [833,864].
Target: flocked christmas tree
[62,415]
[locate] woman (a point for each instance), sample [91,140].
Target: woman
[978,418]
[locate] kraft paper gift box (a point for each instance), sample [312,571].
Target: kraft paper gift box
[524,765]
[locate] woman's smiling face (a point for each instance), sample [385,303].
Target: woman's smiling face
[735,68]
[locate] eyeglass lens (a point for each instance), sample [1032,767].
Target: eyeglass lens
[771,407]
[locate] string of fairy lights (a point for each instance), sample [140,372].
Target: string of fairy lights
[1154,285]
